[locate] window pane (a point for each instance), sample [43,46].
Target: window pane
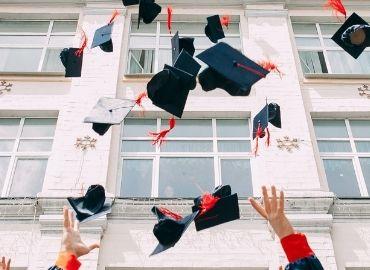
[138,127]
[329,29]
[142,42]
[35,145]
[26,60]
[341,177]
[64,26]
[52,61]
[304,29]
[234,146]
[190,128]
[237,174]
[342,63]
[23,40]
[365,165]
[185,177]
[63,41]
[334,146]
[39,127]
[233,128]
[137,146]
[165,41]
[4,162]
[141,61]
[233,42]
[9,127]
[360,128]
[28,177]
[203,42]
[313,62]
[136,178]
[23,26]
[328,42]
[6,145]
[307,42]
[144,28]
[330,129]
[184,28]
[165,57]
[187,146]
[363,147]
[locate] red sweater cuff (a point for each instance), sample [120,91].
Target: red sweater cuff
[296,247]
[67,261]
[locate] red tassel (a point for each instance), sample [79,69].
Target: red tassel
[259,134]
[208,202]
[225,20]
[270,66]
[159,137]
[170,214]
[169,18]
[140,98]
[80,50]
[337,7]
[251,70]
[268,137]
[114,15]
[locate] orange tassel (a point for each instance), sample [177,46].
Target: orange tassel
[225,20]
[337,7]
[79,52]
[169,18]
[114,15]
[259,134]
[268,137]
[159,137]
[140,98]
[170,214]
[270,66]
[208,202]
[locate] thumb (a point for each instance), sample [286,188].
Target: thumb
[94,246]
[280,267]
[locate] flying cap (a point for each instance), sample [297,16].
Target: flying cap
[229,70]
[213,29]
[148,11]
[102,38]
[92,205]
[130,2]
[353,36]
[179,44]
[71,61]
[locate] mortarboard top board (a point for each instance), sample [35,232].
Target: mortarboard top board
[343,36]
[213,29]
[179,44]
[102,38]
[107,112]
[130,2]
[71,62]
[238,73]
[269,114]
[92,205]
[187,63]
[148,11]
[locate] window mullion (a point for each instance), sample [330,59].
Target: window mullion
[43,54]
[156,160]
[157,42]
[323,49]
[216,159]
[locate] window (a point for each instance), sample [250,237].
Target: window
[344,147]
[319,54]
[25,145]
[150,45]
[34,46]
[198,155]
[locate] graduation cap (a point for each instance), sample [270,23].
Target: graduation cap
[269,114]
[130,2]
[111,111]
[170,228]
[217,208]
[230,70]
[179,44]
[148,11]
[91,206]
[213,29]
[103,35]
[353,36]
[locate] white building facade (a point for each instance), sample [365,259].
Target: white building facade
[320,156]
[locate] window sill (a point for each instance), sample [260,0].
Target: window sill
[325,76]
[143,77]
[37,76]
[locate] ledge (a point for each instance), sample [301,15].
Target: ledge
[308,78]
[34,76]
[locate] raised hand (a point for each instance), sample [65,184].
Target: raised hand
[273,211]
[4,265]
[71,240]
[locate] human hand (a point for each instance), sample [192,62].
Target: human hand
[273,211]
[4,265]
[71,239]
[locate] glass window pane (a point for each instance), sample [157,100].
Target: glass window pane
[9,127]
[233,128]
[341,177]
[334,146]
[4,162]
[190,128]
[16,59]
[141,61]
[150,28]
[165,57]
[329,29]
[203,42]
[24,26]
[184,28]
[363,147]
[304,29]
[64,26]
[138,127]
[342,63]
[63,41]
[142,42]
[307,42]
[39,127]
[28,177]
[137,146]
[360,128]
[23,40]
[328,42]
[237,174]
[233,29]
[136,178]
[234,146]
[35,145]
[313,62]
[165,41]
[52,61]
[365,165]
[187,146]
[330,129]
[233,42]
[6,145]
[185,177]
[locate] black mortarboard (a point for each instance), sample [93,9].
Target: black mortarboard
[269,114]
[170,228]
[230,70]
[72,61]
[224,209]
[107,112]
[178,44]
[354,24]
[148,11]
[102,38]
[130,2]
[214,29]
[92,205]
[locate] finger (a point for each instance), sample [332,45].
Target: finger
[71,219]
[77,225]
[281,202]
[66,218]
[273,200]
[280,267]
[94,246]
[8,268]
[266,200]
[3,262]
[258,207]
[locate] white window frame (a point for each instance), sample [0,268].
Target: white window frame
[14,155]
[156,155]
[353,155]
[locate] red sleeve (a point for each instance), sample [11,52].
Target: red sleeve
[67,261]
[296,247]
